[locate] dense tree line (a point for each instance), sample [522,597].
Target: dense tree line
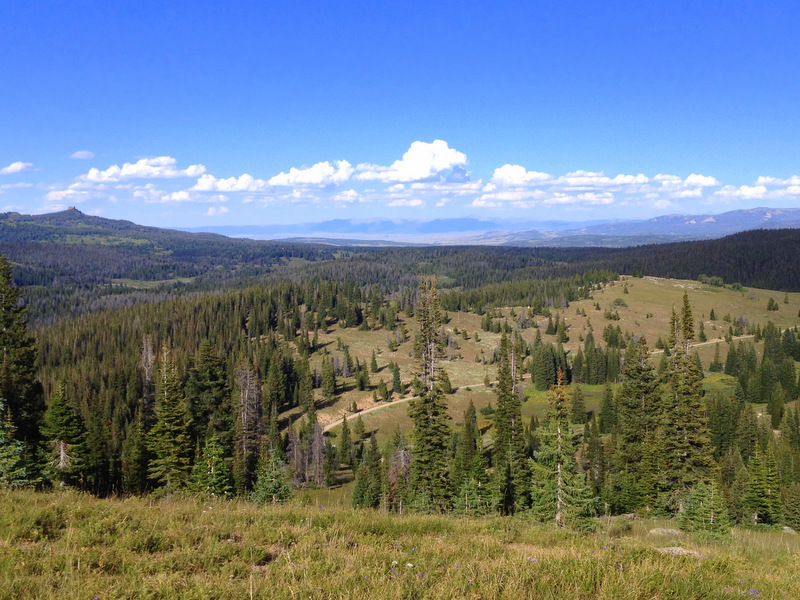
[196,392]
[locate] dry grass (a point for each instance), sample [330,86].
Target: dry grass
[74,546]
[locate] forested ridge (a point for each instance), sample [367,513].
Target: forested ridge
[219,393]
[71,263]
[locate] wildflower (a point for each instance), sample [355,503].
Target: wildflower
[409,565]
[530,558]
[394,562]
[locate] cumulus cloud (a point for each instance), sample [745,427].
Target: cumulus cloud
[348,197]
[422,161]
[82,155]
[71,194]
[745,192]
[323,173]
[701,181]
[406,202]
[16,167]
[794,180]
[516,175]
[161,167]
[214,211]
[243,183]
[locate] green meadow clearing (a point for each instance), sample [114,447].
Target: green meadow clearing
[75,546]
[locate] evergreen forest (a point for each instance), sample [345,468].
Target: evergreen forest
[469,381]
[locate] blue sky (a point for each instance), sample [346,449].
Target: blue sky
[204,113]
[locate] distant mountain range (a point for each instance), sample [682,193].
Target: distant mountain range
[607,233]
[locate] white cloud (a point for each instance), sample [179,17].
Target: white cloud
[348,197]
[667,178]
[406,202]
[16,167]
[82,155]
[774,181]
[71,194]
[15,186]
[688,193]
[244,183]
[323,173]
[744,192]
[422,161]
[217,211]
[701,181]
[516,175]
[161,167]
[631,179]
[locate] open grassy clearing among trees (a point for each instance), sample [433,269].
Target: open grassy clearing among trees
[56,545]
[553,402]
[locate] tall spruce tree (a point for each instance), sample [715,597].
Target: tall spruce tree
[66,432]
[510,464]
[208,397]
[607,419]
[687,439]
[18,383]
[169,439]
[272,483]
[430,477]
[211,474]
[638,406]
[559,493]
[578,406]
[12,465]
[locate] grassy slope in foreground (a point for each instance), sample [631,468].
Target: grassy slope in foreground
[71,545]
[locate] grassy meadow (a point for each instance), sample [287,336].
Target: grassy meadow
[70,545]
[649,303]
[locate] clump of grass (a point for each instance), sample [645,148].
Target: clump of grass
[73,545]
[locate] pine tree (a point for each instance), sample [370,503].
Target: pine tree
[345,445]
[12,466]
[558,491]
[358,429]
[397,385]
[578,406]
[608,410]
[468,444]
[272,485]
[510,465]
[211,475]
[248,429]
[638,406]
[705,511]
[135,456]
[369,481]
[373,363]
[328,379]
[763,497]
[430,477]
[169,439]
[775,406]
[18,384]
[687,450]
[474,497]
[595,459]
[209,399]
[65,429]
